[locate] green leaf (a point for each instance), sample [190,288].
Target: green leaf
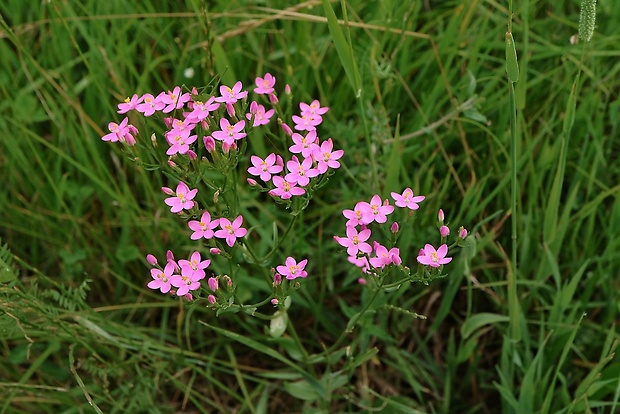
[479,320]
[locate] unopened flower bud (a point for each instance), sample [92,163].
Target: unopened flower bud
[167,190]
[252,182]
[172,164]
[213,284]
[444,231]
[188,297]
[279,161]
[152,260]
[170,256]
[440,216]
[462,232]
[394,227]
[215,251]
[230,109]
[154,139]
[226,279]
[216,197]
[253,107]
[277,279]
[192,155]
[274,301]
[287,129]
[361,281]
[168,122]
[211,299]
[209,143]
[273,98]
[287,89]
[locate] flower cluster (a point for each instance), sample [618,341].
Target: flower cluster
[370,255]
[212,130]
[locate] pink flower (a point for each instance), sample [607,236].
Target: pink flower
[204,227]
[260,116]
[264,86]
[231,95]
[117,131]
[285,189]
[434,258]
[174,99]
[306,122]
[201,110]
[196,264]
[384,257]
[129,104]
[304,145]
[179,141]
[375,211]
[264,169]
[313,109]
[149,105]
[185,282]
[230,231]
[407,199]
[229,133]
[355,242]
[355,216]
[300,173]
[182,199]
[292,269]
[325,157]
[161,280]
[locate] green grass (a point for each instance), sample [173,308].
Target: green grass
[418,98]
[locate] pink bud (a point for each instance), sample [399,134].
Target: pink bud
[152,260]
[444,231]
[440,216]
[386,202]
[168,121]
[215,251]
[394,227]
[209,143]
[192,155]
[230,109]
[395,257]
[253,107]
[462,232]
[204,124]
[252,182]
[273,98]
[211,299]
[279,161]
[172,164]
[194,91]
[167,190]
[277,279]
[188,297]
[213,285]
[227,280]
[170,256]
[287,129]
[361,281]
[274,301]
[287,89]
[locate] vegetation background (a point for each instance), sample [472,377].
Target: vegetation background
[79,330]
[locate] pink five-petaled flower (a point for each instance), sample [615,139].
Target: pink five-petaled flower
[306,122]
[196,264]
[264,86]
[129,104]
[204,227]
[186,281]
[325,157]
[230,231]
[231,95]
[292,269]
[355,242]
[313,109]
[264,168]
[261,117]
[201,110]
[300,173]
[434,258]
[117,131]
[407,199]
[179,141]
[161,280]
[384,257]
[149,105]
[355,216]
[182,199]
[174,99]
[285,189]
[304,145]
[229,133]
[375,211]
